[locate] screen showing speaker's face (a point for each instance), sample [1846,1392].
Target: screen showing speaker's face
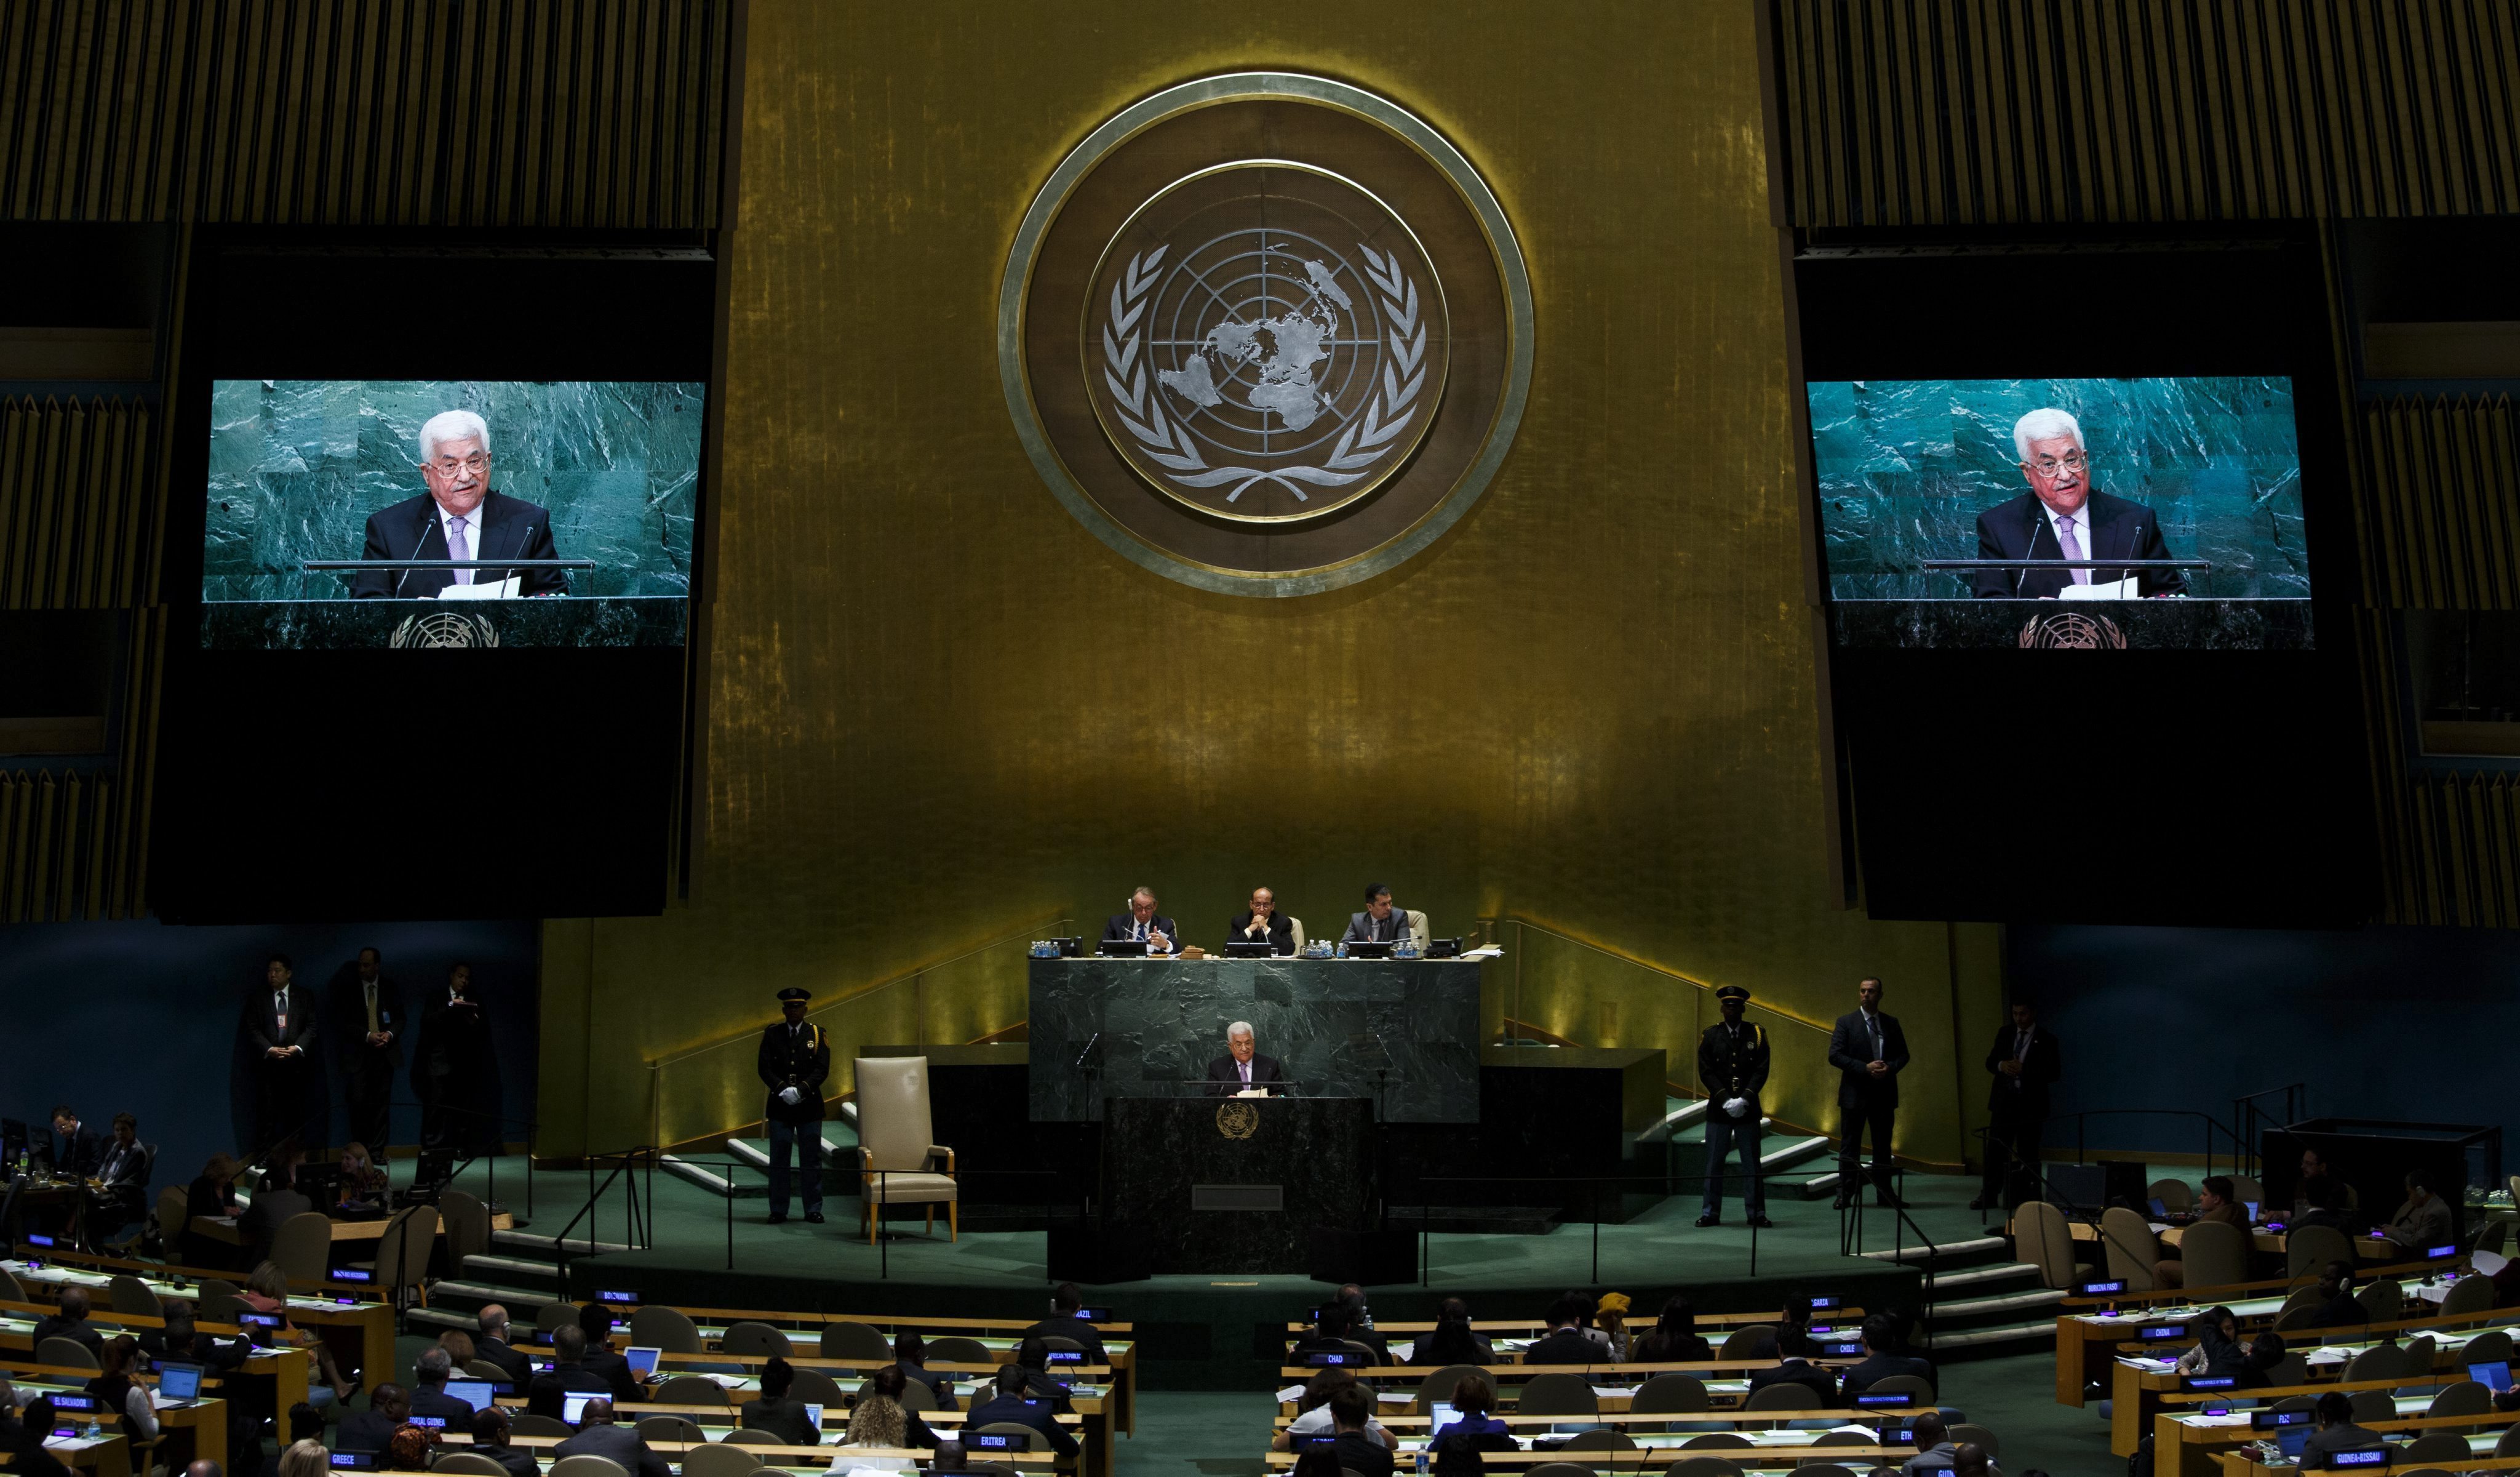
[345,512]
[2064,492]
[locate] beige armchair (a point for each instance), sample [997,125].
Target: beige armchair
[1295,926]
[1418,934]
[896,1143]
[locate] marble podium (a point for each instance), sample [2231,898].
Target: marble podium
[1236,1185]
[1401,1034]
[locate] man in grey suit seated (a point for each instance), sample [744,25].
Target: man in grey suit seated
[1377,924]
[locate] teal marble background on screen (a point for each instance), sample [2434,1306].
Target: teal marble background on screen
[297,465]
[1906,466]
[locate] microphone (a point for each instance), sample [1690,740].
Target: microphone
[428,524]
[1089,1050]
[2031,550]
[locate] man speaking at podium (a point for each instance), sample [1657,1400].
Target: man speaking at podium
[1242,1068]
[2061,517]
[459,517]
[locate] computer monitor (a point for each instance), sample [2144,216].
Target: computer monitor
[2492,1375]
[1356,950]
[474,1392]
[178,1383]
[572,1406]
[642,1362]
[1123,948]
[1248,948]
[2290,1440]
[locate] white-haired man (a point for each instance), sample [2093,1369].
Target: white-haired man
[1242,1066]
[458,518]
[2062,516]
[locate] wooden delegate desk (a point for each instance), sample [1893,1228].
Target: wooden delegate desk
[1658,1452]
[362,1331]
[1837,1318]
[105,1457]
[1123,1352]
[2085,1340]
[2188,1444]
[206,1419]
[1093,1404]
[2240,1464]
[2139,1396]
[1722,1393]
[812,1458]
[225,1231]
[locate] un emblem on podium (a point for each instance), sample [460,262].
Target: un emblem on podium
[1266,334]
[444,629]
[1238,1119]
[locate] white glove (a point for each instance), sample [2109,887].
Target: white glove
[789,1095]
[1736,1106]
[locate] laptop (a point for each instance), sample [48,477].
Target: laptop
[642,1362]
[572,1406]
[2290,1440]
[178,1384]
[474,1392]
[814,1418]
[2160,1208]
[2492,1375]
[1439,1415]
[1122,948]
[2252,1208]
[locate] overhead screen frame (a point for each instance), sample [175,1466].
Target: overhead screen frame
[592,837]
[1926,749]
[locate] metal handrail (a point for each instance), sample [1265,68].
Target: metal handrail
[626,1160]
[2244,1112]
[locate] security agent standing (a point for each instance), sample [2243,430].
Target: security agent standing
[1869,1051]
[365,1012]
[796,1058]
[2025,1063]
[1732,1066]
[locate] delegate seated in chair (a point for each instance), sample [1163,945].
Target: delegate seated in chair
[1793,1367]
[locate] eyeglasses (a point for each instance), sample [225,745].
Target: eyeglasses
[2071,461]
[448,466]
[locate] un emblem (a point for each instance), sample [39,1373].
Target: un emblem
[2072,631]
[1238,1119]
[1271,342]
[1266,334]
[444,629]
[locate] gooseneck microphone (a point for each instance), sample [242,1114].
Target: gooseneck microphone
[427,524]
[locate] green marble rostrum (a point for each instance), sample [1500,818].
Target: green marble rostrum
[297,465]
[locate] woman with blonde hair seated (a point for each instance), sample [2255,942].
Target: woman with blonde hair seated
[305,1458]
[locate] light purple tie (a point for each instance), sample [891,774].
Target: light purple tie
[456,548]
[2065,538]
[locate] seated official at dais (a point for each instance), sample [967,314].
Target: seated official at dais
[1143,923]
[1262,923]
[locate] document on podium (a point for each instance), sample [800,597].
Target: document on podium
[2115,589]
[505,590]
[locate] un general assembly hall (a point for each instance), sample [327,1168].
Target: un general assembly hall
[1172,738]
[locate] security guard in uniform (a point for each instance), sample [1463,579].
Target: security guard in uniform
[795,1057]
[1732,1064]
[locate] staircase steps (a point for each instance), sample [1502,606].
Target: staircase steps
[1980,1299]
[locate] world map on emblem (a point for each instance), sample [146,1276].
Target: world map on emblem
[1267,342]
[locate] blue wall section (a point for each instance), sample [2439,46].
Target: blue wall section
[2399,1023]
[141,1017]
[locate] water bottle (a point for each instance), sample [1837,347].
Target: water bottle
[1342,948]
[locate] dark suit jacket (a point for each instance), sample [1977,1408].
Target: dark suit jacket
[518,1460]
[1064,1326]
[519,1364]
[1881,1366]
[1264,1071]
[801,1059]
[939,1385]
[124,1169]
[1013,1410]
[508,528]
[2349,1437]
[1566,1347]
[544,1396]
[51,1326]
[1802,1372]
[2039,1071]
[1362,1452]
[1123,924]
[2119,529]
[1363,929]
[262,1219]
[432,1400]
[621,1443]
[614,1370]
[782,1417]
[345,1003]
[455,1056]
[362,1431]
[261,1030]
[1733,1065]
[1850,1052]
[1282,934]
[79,1154]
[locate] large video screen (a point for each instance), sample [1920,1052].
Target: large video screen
[2108,513]
[366,513]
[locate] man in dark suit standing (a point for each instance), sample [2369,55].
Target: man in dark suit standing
[455,1067]
[1869,1051]
[2061,517]
[1242,1066]
[278,1024]
[366,1020]
[76,1149]
[2025,1061]
[1143,923]
[795,1060]
[458,518]
[1262,923]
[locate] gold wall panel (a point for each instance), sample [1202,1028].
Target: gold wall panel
[939,709]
